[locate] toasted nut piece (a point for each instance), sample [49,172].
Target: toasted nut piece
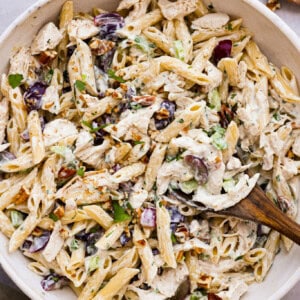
[21,197]
[146,100]
[100,47]
[47,56]
[59,212]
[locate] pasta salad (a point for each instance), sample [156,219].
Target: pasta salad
[123,133]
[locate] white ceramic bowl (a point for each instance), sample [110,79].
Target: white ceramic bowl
[279,43]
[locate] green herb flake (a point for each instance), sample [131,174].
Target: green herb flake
[74,245]
[93,263]
[278,178]
[144,45]
[80,171]
[93,129]
[15,80]
[239,257]
[53,216]
[277,116]
[173,238]
[49,75]
[233,95]
[120,215]
[111,74]
[138,142]
[214,100]
[178,49]
[199,295]
[95,229]
[80,85]
[17,218]
[229,27]
[180,121]
[109,234]
[135,106]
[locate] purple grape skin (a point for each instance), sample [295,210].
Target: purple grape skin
[99,138]
[171,107]
[176,216]
[100,134]
[53,282]
[27,243]
[108,24]
[70,50]
[222,50]
[155,251]
[126,187]
[124,239]
[39,242]
[116,168]
[131,91]
[90,240]
[33,95]
[148,217]
[199,167]
[105,60]
[6,156]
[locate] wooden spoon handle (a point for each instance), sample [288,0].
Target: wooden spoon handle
[258,208]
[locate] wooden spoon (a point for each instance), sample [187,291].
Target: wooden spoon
[295,1]
[259,208]
[256,207]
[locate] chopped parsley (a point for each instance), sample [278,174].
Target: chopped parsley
[53,216]
[239,257]
[74,245]
[180,121]
[135,106]
[111,74]
[173,238]
[171,158]
[49,75]
[138,142]
[80,85]
[92,128]
[15,80]
[120,215]
[199,295]
[80,171]
[278,178]
[277,116]
[229,27]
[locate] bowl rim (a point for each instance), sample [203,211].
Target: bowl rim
[260,8]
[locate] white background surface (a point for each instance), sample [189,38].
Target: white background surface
[10,9]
